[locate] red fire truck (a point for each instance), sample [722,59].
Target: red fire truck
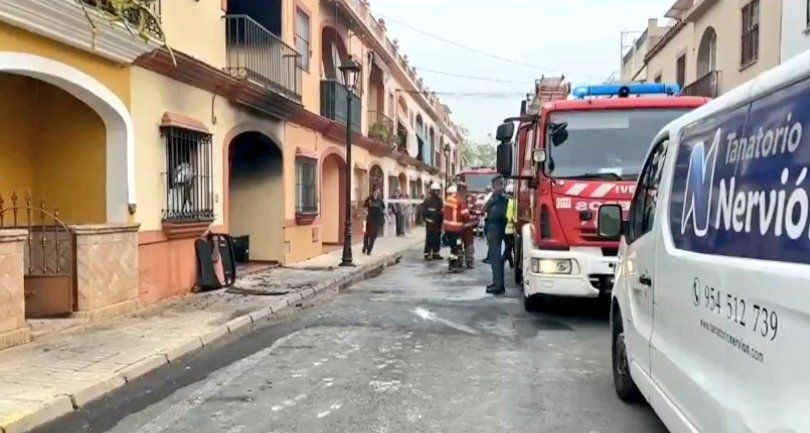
[477,179]
[570,158]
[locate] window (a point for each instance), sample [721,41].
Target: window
[645,201]
[750,33]
[306,186]
[807,14]
[302,38]
[189,186]
[680,70]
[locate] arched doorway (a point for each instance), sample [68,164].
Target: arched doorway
[333,53]
[255,189]
[333,203]
[77,97]
[707,53]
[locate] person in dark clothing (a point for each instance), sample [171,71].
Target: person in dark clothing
[432,216]
[399,216]
[375,220]
[496,228]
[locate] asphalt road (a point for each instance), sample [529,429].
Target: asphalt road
[412,350]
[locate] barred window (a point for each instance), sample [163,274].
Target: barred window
[302,36]
[750,33]
[306,185]
[189,180]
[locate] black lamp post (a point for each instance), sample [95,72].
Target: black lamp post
[446,166]
[350,71]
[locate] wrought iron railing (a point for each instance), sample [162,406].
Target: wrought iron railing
[333,103]
[256,54]
[189,175]
[707,86]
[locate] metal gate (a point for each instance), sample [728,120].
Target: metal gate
[49,256]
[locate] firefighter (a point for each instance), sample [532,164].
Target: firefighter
[509,233]
[469,232]
[432,216]
[456,215]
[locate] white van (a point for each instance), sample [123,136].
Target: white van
[711,306]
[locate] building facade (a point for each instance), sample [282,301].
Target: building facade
[634,65]
[795,28]
[712,46]
[238,129]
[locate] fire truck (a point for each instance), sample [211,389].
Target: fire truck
[477,179]
[567,160]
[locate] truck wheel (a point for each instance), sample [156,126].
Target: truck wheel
[518,261]
[626,388]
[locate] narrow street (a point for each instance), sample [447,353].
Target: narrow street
[413,349]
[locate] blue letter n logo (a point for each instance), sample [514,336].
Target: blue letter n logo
[698,191]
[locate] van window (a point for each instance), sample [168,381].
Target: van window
[642,209]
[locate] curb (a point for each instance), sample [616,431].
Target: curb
[65,404]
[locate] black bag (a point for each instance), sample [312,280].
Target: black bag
[207,278]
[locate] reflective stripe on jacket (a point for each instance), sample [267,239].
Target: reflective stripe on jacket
[456,215]
[511,216]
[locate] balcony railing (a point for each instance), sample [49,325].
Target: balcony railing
[381,127]
[333,103]
[256,54]
[707,86]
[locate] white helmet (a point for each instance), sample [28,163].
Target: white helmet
[452,189]
[435,187]
[510,188]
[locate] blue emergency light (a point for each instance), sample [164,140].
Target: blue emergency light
[624,90]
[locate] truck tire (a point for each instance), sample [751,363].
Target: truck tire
[519,261]
[625,386]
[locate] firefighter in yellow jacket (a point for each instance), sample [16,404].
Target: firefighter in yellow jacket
[509,233]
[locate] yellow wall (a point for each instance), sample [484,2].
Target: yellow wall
[53,146]
[112,75]
[726,19]
[165,94]
[196,28]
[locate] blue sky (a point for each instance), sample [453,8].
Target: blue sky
[580,38]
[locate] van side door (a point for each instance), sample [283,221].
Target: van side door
[640,259]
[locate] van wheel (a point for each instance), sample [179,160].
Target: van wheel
[625,386]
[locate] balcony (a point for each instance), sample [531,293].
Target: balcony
[257,55]
[381,127]
[707,86]
[333,104]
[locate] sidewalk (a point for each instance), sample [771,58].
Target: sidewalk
[53,376]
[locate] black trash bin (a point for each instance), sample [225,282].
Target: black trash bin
[241,249]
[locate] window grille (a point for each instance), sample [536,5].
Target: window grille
[306,185]
[750,33]
[189,180]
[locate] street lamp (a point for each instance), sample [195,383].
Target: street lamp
[446,165]
[350,71]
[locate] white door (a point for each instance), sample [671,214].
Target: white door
[640,260]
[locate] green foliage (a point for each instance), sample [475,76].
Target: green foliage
[137,16]
[383,132]
[480,154]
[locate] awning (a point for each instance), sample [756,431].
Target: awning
[305,152]
[177,120]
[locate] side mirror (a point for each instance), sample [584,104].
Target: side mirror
[559,133]
[504,163]
[609,224]
[505,132]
